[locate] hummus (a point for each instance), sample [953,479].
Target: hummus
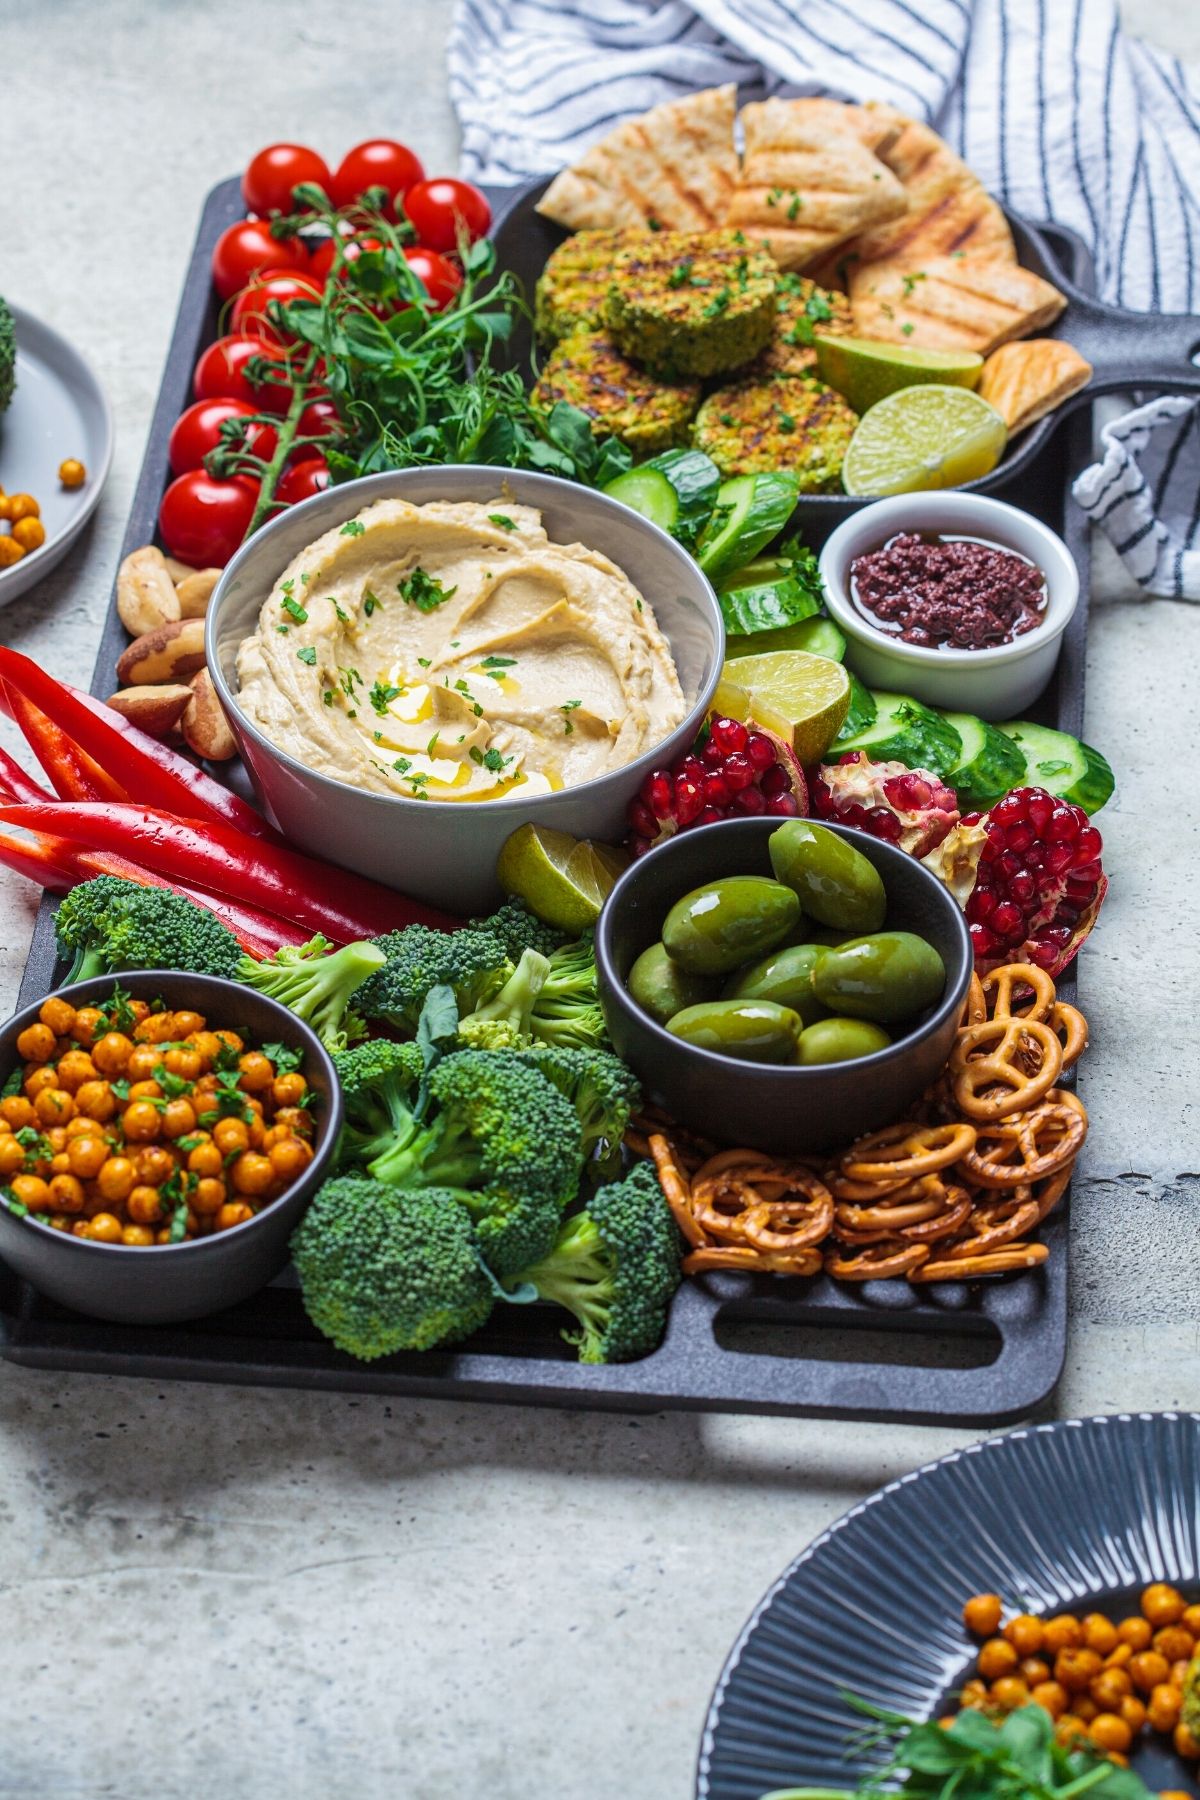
[452,652]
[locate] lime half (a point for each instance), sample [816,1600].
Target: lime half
[800,697]
[864,372]
[923,437]
[564,880]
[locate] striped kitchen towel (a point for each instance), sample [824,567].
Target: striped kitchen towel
[1060,113]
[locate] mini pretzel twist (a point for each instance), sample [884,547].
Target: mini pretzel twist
[974,1010]
[1071,1029]
[753,1262]
[810,1218]
[905,1151]
[1026,1147]
[994,1228]
[878,1262]
[990,1071]
[974,1268]
[674,1185]
[1000,986]
[944,1224]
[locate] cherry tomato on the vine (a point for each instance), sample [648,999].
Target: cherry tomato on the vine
[442,280]
[320,263]
[220,373]
[303,480]
[198,430]
[440,209]
[319,419]
[247,247]
[271,175]
[202,521]
[250,308]
[379,162]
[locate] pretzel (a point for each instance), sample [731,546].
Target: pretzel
[753,1262]
[879,1262]
[998,989]
[907,1151]
[973,1268]
[674,1186]
[989,1066]
[944,1224]
[994,1228]
[1025,1148]
[1052,1191]
[1071,1029]
[889,1217]
[718,1208]
[974,1010]
[812,1216]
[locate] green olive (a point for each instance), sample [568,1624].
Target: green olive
[834,882]
[754,1030]
[784,976]
[662,988]
[725,923]
[840,1040]
[888,977]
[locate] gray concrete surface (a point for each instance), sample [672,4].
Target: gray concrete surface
[224,1591]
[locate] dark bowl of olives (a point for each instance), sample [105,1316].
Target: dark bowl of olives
[782,985]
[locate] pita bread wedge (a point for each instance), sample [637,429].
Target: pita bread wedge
[675,166]
[1026,381]
[948,207]
[765,122]
[951,302]
[808,183]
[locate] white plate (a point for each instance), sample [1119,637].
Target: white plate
[58,410]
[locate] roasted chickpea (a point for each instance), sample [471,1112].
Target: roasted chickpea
[76,1067]
[145,1090]
[77,1126]
[1070,1728]
[32,1192]
[1136,1632]
[144,1206]
[66,1194]
[143,1060]
[1120,1657]
[29,533]
[1191,1617]
[297,1120]
[96,1100]
[58,1014]
[1109,1689]
[140,1010]
[179,1117]
[291,1157]
[184,1063]
[16,1111]
[56,1137]
[90,1022]
[289,1090]
[140,1122]
[1026,1634]
[1051,1696]
[1174,1794]
[115,1181]
[1133,1711]
[188,1023]
[12,1156]
[1186,1742]
[205,1159]
[997,1658]
[137,1235]
[1175,1642]
[1077,1669]
[234,1212]
[1010,1692]
[257,1133]
[1099,1633]
[155,1028]
[71,472]
[1085,1708]
[60,1163]
[87,1156]
[36,1043]
[209,1197]
[1110,1732]
[230,1136]
[230,1040]
[54,1106]
[154,1165]
[38,1077]
[23,506]
[1063,1632]
[1162,1604]
[251,1173]
[206,1044]
[974,1692]
[1148,1670]
[1163,1706]
[1034,1669]
[1179,1670]
[112,1052]
[105,1228]
[80,1228]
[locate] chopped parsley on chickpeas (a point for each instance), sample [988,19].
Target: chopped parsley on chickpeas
[131,1125]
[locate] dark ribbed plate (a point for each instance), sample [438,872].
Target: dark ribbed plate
[1055,1516]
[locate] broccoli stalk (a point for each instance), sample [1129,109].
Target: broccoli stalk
[567,1012]
[513,1006]
[109,925]
[316,983]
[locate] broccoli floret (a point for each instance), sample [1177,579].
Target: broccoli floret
[519,929]
[567,1012]
[506,1143]
[514,1005]
[475,1033]
[474,963]
[108,925]
[615,1265]
[378,1082]
[598,1085]
[316,982]
[382,1270]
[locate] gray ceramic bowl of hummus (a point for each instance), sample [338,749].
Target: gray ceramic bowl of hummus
[416,663]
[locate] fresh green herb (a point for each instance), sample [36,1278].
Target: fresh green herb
[566,709]
[424,591]
[295,609]
[308,655]
[117,1012]
[653,224]
[775,196]
[352,528]
[378,736]
[680,273]
[786,422]
[305,577]
[283,630]
[283,1058]
[343,617]
[907,330]
[172,1085]
[327,696]
[432,744]
[402,765]
[718,303]
[493,760]
[370,602]
[503,521]
[795,208]
[727,419]
[382,695]
[910,281]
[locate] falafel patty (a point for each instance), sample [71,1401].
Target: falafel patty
[620,399]
[692,303]
[802,311]
[788,422]
[573,286]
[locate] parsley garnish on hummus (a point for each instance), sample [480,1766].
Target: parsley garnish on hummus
[352,528]
[566,709]
[423,591]
[308,655]
[503,521]
[382,695]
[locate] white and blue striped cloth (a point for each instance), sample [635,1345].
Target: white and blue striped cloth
[1059,112]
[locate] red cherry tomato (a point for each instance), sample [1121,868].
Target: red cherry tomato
[198,430]
[242,250]
[272,174]
[320,263]
[250,308]
[380,162]
[220,374]
[319,419]
[440,209]
[303,480]
[202,521]
[442,280]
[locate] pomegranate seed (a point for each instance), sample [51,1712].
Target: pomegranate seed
[1079,892]
[1066,915]
[760,750]
[1022,887]
[1058,858]
[710,816]
[712,755]
[1088,845]
[1058,935]
[985,944]
[689,799]
[820,790]
[1010,810]
[1007,921]
[657,792]
[775,781]
[980,906]
[971,818]
[1007,866]
[717,791]
[1089,872]
[908,792]
[738,772]
[783,806]
[729,735]
[884,824]
[749,800]
[854,815]
[1018,837]
[1040,811]
[1064,824]
[993,847]
[1041,951]
[642,819]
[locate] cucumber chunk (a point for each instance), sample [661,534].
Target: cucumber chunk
[750,511]
[990,764]
[648,492]
[765,596]
[1062,764]
[696,480]
[819,637]
[904,730]
[863,709]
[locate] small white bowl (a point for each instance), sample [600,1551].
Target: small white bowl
[996,683]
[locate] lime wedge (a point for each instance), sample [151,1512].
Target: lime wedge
[863,371]
[564,880]
[800,697]
[923,437]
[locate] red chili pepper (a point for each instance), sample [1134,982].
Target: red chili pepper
[16,783]
[72,772]
[224,861]
[45,860]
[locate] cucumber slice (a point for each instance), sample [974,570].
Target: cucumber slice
[750,511]
[820,637]
[696,480]
[765,601]
[648,492]
[990,764]
[1062,764]
[905,731]
[863,709]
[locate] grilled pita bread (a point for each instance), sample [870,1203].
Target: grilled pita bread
[948,207]
[808,181]
[674,166]
[951,302]
[1026,381]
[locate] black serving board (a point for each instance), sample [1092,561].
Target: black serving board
[982,1354]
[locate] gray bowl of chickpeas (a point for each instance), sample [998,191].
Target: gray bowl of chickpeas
[161,1135]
